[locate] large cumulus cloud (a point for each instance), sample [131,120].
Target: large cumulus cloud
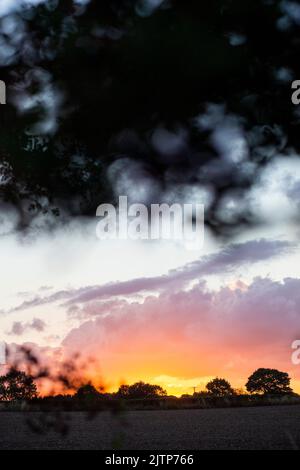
[230,331]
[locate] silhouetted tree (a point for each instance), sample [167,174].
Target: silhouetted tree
[87,391]
[123,391]
[269,381]
[219,388]
[141,390]
[17,385]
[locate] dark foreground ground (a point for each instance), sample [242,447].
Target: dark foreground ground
[272,427]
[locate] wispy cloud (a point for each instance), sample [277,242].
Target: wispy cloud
[19,328]
[227,260]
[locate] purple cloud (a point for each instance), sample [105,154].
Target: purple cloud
[226,260]
[19,328]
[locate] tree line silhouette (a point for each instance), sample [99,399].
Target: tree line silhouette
[17,385]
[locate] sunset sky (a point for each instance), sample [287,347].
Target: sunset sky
[153,310]
[150,310]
